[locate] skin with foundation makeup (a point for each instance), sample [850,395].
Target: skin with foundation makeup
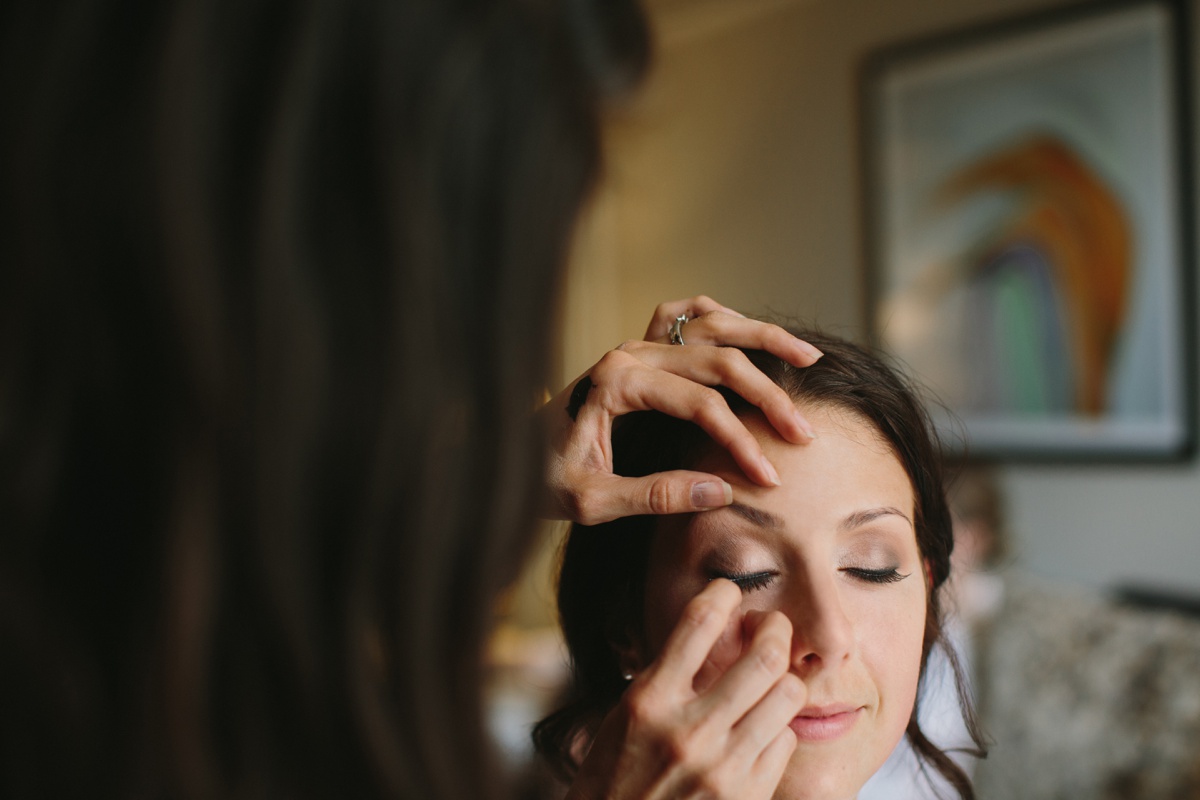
[833,549]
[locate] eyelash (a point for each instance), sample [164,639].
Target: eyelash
[748,582]
[753,581]
[890,575]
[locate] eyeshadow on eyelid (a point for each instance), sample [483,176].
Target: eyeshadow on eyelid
[720,560]
[723,550]
[874,552]
[888,528]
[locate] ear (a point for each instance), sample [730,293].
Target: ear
[629,658]
[629,652]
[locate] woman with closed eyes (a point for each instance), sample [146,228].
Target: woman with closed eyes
[831,579]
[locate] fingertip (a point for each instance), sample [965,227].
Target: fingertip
[773,623]
[725,590]
[725,597]
[809,355]
[795,428]
[755,465]
[756,620]
[711,494]
[805,426]
[769,472]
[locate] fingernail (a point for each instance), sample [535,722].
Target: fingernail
[813,352]
[804,426]
[711,494]
[772,475]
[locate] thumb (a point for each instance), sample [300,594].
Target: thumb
[674,492]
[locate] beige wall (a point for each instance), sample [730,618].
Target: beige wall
[735,174]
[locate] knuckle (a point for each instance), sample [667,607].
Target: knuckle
[609,362]
[661,499]
[584,506]
[680,747]
[628,346]
[640,707]
[572,500]
[731,362]
[647,717]
[710,405]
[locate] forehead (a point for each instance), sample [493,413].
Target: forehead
[841,433]
[846,468]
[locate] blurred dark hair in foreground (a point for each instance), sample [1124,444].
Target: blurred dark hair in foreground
[274,308]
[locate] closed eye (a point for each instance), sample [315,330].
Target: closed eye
[889,575]
[748,581]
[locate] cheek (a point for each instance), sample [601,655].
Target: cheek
[663,596]
[666,592]
[892,652]
[662,609]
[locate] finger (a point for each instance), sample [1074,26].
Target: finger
[768,769]
[763,723]
[751,334]
[644,388]
[666,313]
[674,492]
[728,367]
[622,382]
[700,625]
[727,649]
[752,620]
[763,661]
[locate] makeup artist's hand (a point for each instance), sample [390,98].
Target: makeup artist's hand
[666,739]
[676,380]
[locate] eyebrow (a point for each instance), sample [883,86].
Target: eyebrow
[756,516]
[765,519]
[860,518]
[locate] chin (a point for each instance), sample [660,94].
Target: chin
[816,775]
[823,788]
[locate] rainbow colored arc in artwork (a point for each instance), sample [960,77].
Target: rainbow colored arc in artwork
[1049,285]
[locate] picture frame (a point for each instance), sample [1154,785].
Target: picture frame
[1027,196]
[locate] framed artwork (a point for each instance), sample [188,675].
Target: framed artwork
[1028,216]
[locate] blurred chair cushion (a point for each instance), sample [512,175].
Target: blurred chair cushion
[1082,698]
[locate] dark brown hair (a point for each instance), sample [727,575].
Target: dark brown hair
[273,315]
[603,566]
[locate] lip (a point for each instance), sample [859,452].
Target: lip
[824,723]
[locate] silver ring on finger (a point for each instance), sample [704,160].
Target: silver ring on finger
[675,333]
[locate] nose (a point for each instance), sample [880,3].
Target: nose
[822,632]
